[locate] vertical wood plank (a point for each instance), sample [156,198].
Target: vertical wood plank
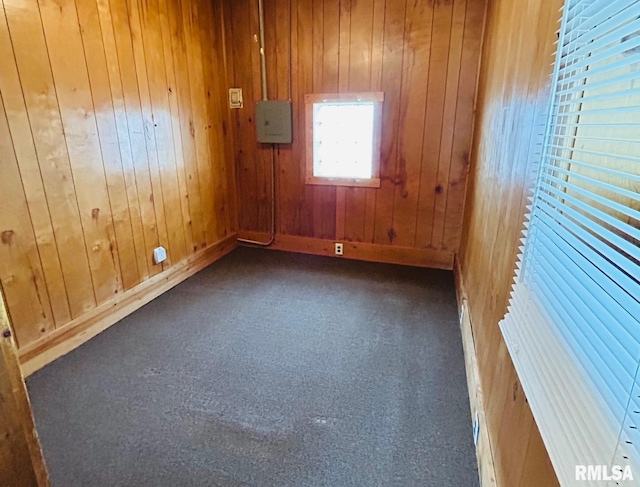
[289,171]
[242,42]
[344,52]
[190,18]
[259,151]
[442,90]
[176,126]
[25,28]
[187,131]
[162,124]
[223,30]
[116,35]
[27,160]
[360,48]
[453,94]
[69,69]
[214,66]
[308,196]
[108,139]
[375,84]
[21,273]
[417,54]
[392,67]
[324,197]
[148,89]
[129,167]
[330,60]
[284,223]
[463,125]
[317,36]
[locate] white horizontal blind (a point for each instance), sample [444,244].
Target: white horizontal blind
[573,326]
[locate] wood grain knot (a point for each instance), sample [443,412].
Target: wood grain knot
[7,237]
[439,189]
[95,213]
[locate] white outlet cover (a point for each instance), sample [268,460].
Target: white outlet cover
[159,254]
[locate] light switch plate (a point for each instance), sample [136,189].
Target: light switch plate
[235,98]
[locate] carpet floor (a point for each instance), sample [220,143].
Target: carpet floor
[268,369]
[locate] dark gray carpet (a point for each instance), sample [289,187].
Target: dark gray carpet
[268,369]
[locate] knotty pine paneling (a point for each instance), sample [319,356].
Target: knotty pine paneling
[114,139]
[512,106]
[423,54]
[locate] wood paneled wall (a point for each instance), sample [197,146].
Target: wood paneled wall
[512,106]
[113,141]
[423,54]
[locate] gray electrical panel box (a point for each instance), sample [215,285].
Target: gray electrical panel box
[273,122]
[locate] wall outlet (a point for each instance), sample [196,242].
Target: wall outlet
[339,248]
[159,254]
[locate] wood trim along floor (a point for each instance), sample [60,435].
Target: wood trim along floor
[61,341]
[388,254]
[484,453]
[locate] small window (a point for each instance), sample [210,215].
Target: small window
[343,139]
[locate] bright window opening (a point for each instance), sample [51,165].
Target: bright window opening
[343,144]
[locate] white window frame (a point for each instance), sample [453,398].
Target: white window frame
[377,98]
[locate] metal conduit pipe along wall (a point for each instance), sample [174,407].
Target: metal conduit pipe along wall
[265,97]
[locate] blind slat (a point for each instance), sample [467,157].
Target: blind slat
[593,225]
[611,204]
[599,291]
[594,249]
[601,184]
[610,20]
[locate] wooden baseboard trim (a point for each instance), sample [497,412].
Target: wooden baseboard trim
[486,468]
[70,336]
[388,254]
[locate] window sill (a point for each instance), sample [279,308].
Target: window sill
[359,183]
